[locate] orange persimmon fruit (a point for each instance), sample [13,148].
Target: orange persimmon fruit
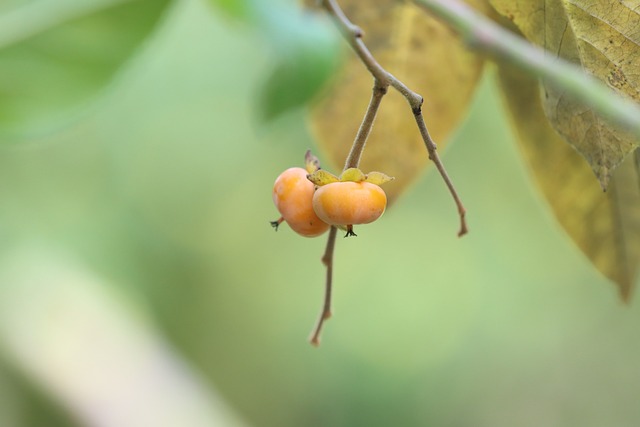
[348,203]
[293,197]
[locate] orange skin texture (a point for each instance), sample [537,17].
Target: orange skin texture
[349,203]
[293,196]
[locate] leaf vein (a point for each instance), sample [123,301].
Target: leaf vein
[610,23]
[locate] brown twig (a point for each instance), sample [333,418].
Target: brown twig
[384,79]
[433,155]
[353,159]
[327,260]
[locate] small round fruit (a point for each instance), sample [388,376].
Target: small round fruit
[349,203]
[293,197]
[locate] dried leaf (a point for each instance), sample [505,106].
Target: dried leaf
[604,225]
[427,56]
[311,162]
[603,38]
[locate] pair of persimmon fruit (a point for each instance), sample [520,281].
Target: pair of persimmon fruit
[311,200]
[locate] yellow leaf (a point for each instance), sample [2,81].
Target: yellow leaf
[603,38]
[604,225]
[427,56]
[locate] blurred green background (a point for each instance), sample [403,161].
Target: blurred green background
[141,283]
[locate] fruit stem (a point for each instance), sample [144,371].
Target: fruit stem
[327,260]
[379,91]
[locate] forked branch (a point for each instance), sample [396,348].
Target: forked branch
[383,79]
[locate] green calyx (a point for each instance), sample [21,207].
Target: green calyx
[321,177]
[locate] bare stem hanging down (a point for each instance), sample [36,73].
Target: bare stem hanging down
[383,79]
[327,260]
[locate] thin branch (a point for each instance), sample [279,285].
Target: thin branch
[353,34]
[353,160]
[327,260]
[487,37]
[433,155]
[383,78]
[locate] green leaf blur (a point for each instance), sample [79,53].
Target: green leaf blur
[303,50]
[56,57]
[238,9]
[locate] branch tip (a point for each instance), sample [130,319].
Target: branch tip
[463,224]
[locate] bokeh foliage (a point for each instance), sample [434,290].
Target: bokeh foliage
[57,57]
